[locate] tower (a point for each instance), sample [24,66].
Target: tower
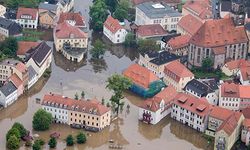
[238,11]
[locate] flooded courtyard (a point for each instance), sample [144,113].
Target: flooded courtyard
[90,76]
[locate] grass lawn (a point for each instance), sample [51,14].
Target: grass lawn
[31,35]
[202,74]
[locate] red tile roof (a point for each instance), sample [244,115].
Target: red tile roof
[219,32]
[151,30]
[244,91]
[193,104]
[140,75]
[236,64]
[245,73]
[235,90]
[219,50]
[153,104]
[27,11]
[86,106]
[246,112]
[15,80]
[77,17]
[179,41]
[65,30]
[246,123]
[221,113]
[177,68]
[201,8]
[190,24]
[136,2]
[21,67]
[24,46]
[112,24]
[231,123]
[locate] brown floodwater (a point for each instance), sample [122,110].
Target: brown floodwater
[90,75]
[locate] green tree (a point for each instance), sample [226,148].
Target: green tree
[103,101]
[112,4]
[9,47]
[36,145]
[20,128]
[207,64]
[118,84]
[121,11]
[145,45]
[76,96]
[13,131]
[98,50]
[52,142]
[12,3]
[70,140]
[41,120]
[98,13]
[13,142]
[83,94]
[81,138]
[130,40]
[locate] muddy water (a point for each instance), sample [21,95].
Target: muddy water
[90,76]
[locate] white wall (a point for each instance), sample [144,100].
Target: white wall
[58,113]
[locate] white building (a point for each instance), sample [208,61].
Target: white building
[157,13]
[155,109]
[2,10]
[8,94]
[191,111]
[234,97]
[231,68]
[207,88]
[114,31]
[245,132]
[27,17]
[33,77]
[244,74]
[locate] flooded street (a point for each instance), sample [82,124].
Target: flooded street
[90,76]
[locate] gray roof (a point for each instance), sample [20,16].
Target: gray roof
[8,88]
[11,26]
[31,72]
[158,10]
[9,62]
[46,6]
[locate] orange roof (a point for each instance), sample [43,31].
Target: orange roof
[15,80]
[245,73]
[246,123]
[236,64]
[231,123]
[27,11]
[136,2]
[220,113]
[153,104]
[246,112]
[140,75]
[65,30]
[201,8]
[21,67]
[219,50]
[86,106]
[190,24]
[112,24]
[229,90]
[219,32]
[177,68]
[244,91]
[179,41]
[151,30]
[77,17]
[193,104]
[24,46]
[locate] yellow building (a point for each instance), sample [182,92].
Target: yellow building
[47,19]
[88,114]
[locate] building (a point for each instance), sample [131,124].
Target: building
[155,109]
[114,31]
[39,58]
[9,28]
[191,111]
[65,5]
[45,7]
[155,61]
[74,19]
[233,96]
[27,17]
[157,13]
[188,25]
[10,14]
[178,45]
[204,88]
[47,19]
[145,82]
[247,28]
[2,10]
[231,68]
[8,94]
[219,40]
[88,114]
[18,83]
[71,41]
[244,75]
[172,3]
[245,132]
[24,46]
[225,8]
[177,75]
[201,9]
[33,77]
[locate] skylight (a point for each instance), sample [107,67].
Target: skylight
[158,5]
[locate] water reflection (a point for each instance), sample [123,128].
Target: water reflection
[98,65]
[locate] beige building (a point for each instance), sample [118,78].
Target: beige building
[177,75]
[2,10]
[88,114]
[47,19]
[232,67]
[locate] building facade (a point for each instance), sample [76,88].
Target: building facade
[9,28]
[8,94]
[27,17]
